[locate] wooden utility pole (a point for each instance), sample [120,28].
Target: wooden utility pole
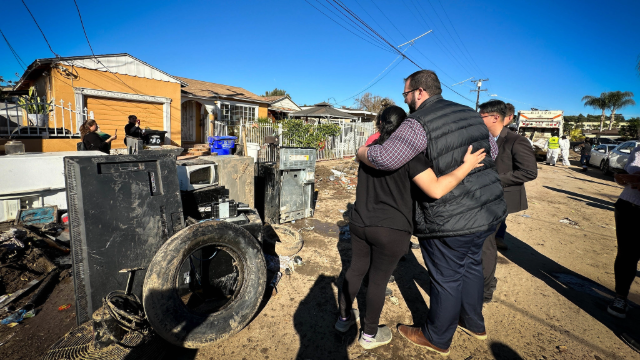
[479,84]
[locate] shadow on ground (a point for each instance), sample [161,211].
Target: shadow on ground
[588,200]
[501,351]
[586,294]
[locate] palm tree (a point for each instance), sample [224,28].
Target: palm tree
[617,100]
[597,103]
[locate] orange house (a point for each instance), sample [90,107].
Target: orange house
[107,88]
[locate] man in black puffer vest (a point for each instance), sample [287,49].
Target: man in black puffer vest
[451,229]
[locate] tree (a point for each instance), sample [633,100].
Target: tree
[275,92]
[616,100]
[373,103]
[597,103]
[630,129]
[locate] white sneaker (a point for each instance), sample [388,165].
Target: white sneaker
[383,337]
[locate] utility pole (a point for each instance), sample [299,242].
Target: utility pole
[479,83]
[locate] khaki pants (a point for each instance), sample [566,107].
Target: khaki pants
[552,156]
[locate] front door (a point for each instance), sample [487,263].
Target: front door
[188,125]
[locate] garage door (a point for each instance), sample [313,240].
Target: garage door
[114,114]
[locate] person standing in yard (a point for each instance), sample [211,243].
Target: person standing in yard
[553,149]
[564,150]
[381,226]
[451,229]
[627,214]
[585,153]
[516,165]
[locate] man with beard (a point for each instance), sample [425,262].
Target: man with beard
[451,229]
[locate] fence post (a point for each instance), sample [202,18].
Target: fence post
[280,134]
[70,121]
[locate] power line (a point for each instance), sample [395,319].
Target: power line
[458,35]
[15,54]
[96,58]
[385,40]
[405,37]
[449,33]
[367,87]
[374,20]
[350,22]
[439,42]
[83,29]
[332,19]
[34,20]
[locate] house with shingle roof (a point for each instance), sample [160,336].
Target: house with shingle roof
[205,104]
[280,106]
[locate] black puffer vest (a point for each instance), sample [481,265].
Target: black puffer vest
[477,203]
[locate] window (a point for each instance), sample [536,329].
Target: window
[235,113]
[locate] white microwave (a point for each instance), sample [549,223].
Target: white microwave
[192,177]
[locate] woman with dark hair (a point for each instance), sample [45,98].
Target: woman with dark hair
[93,141]
[381,226]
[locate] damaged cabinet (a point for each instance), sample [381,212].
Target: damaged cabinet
[285,190]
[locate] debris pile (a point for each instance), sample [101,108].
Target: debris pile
[27,272]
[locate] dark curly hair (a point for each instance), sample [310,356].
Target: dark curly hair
[388,121]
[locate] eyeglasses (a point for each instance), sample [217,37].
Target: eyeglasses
[404,94]
[485,115]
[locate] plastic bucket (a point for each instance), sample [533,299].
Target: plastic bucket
[252,150]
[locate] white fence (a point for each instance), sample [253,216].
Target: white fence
[346,144]
[60,122]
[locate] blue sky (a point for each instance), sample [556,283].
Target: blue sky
[545,54]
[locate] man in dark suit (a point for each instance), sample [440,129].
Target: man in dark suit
[516,164]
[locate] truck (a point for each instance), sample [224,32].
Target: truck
[538,126]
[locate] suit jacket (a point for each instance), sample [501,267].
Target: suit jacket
[516,164]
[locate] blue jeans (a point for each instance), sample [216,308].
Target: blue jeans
[584,159]
[457,285]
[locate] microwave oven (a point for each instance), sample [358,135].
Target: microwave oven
[192,177]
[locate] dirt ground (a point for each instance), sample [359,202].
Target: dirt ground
[554,284]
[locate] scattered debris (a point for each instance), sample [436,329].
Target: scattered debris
[394,300]
[274,283]
[562,348]
[38,216]
[13,238]
[6,339]
[568,221]
[526,216]
[14,318]
[64,307]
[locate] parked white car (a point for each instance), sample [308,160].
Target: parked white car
[600,153]
[618,157]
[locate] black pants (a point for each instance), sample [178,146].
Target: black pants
[489,263]
[376,250]
[625,267]
[455,270]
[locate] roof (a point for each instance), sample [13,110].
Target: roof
[281,103]
[274,98]
[209,89]
[322,110]
[124,64]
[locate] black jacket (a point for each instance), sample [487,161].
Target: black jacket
[477,203]
[93,141]
[516,164]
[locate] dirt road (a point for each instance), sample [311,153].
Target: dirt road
[554,284]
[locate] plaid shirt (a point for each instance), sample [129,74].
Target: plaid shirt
[404,144]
